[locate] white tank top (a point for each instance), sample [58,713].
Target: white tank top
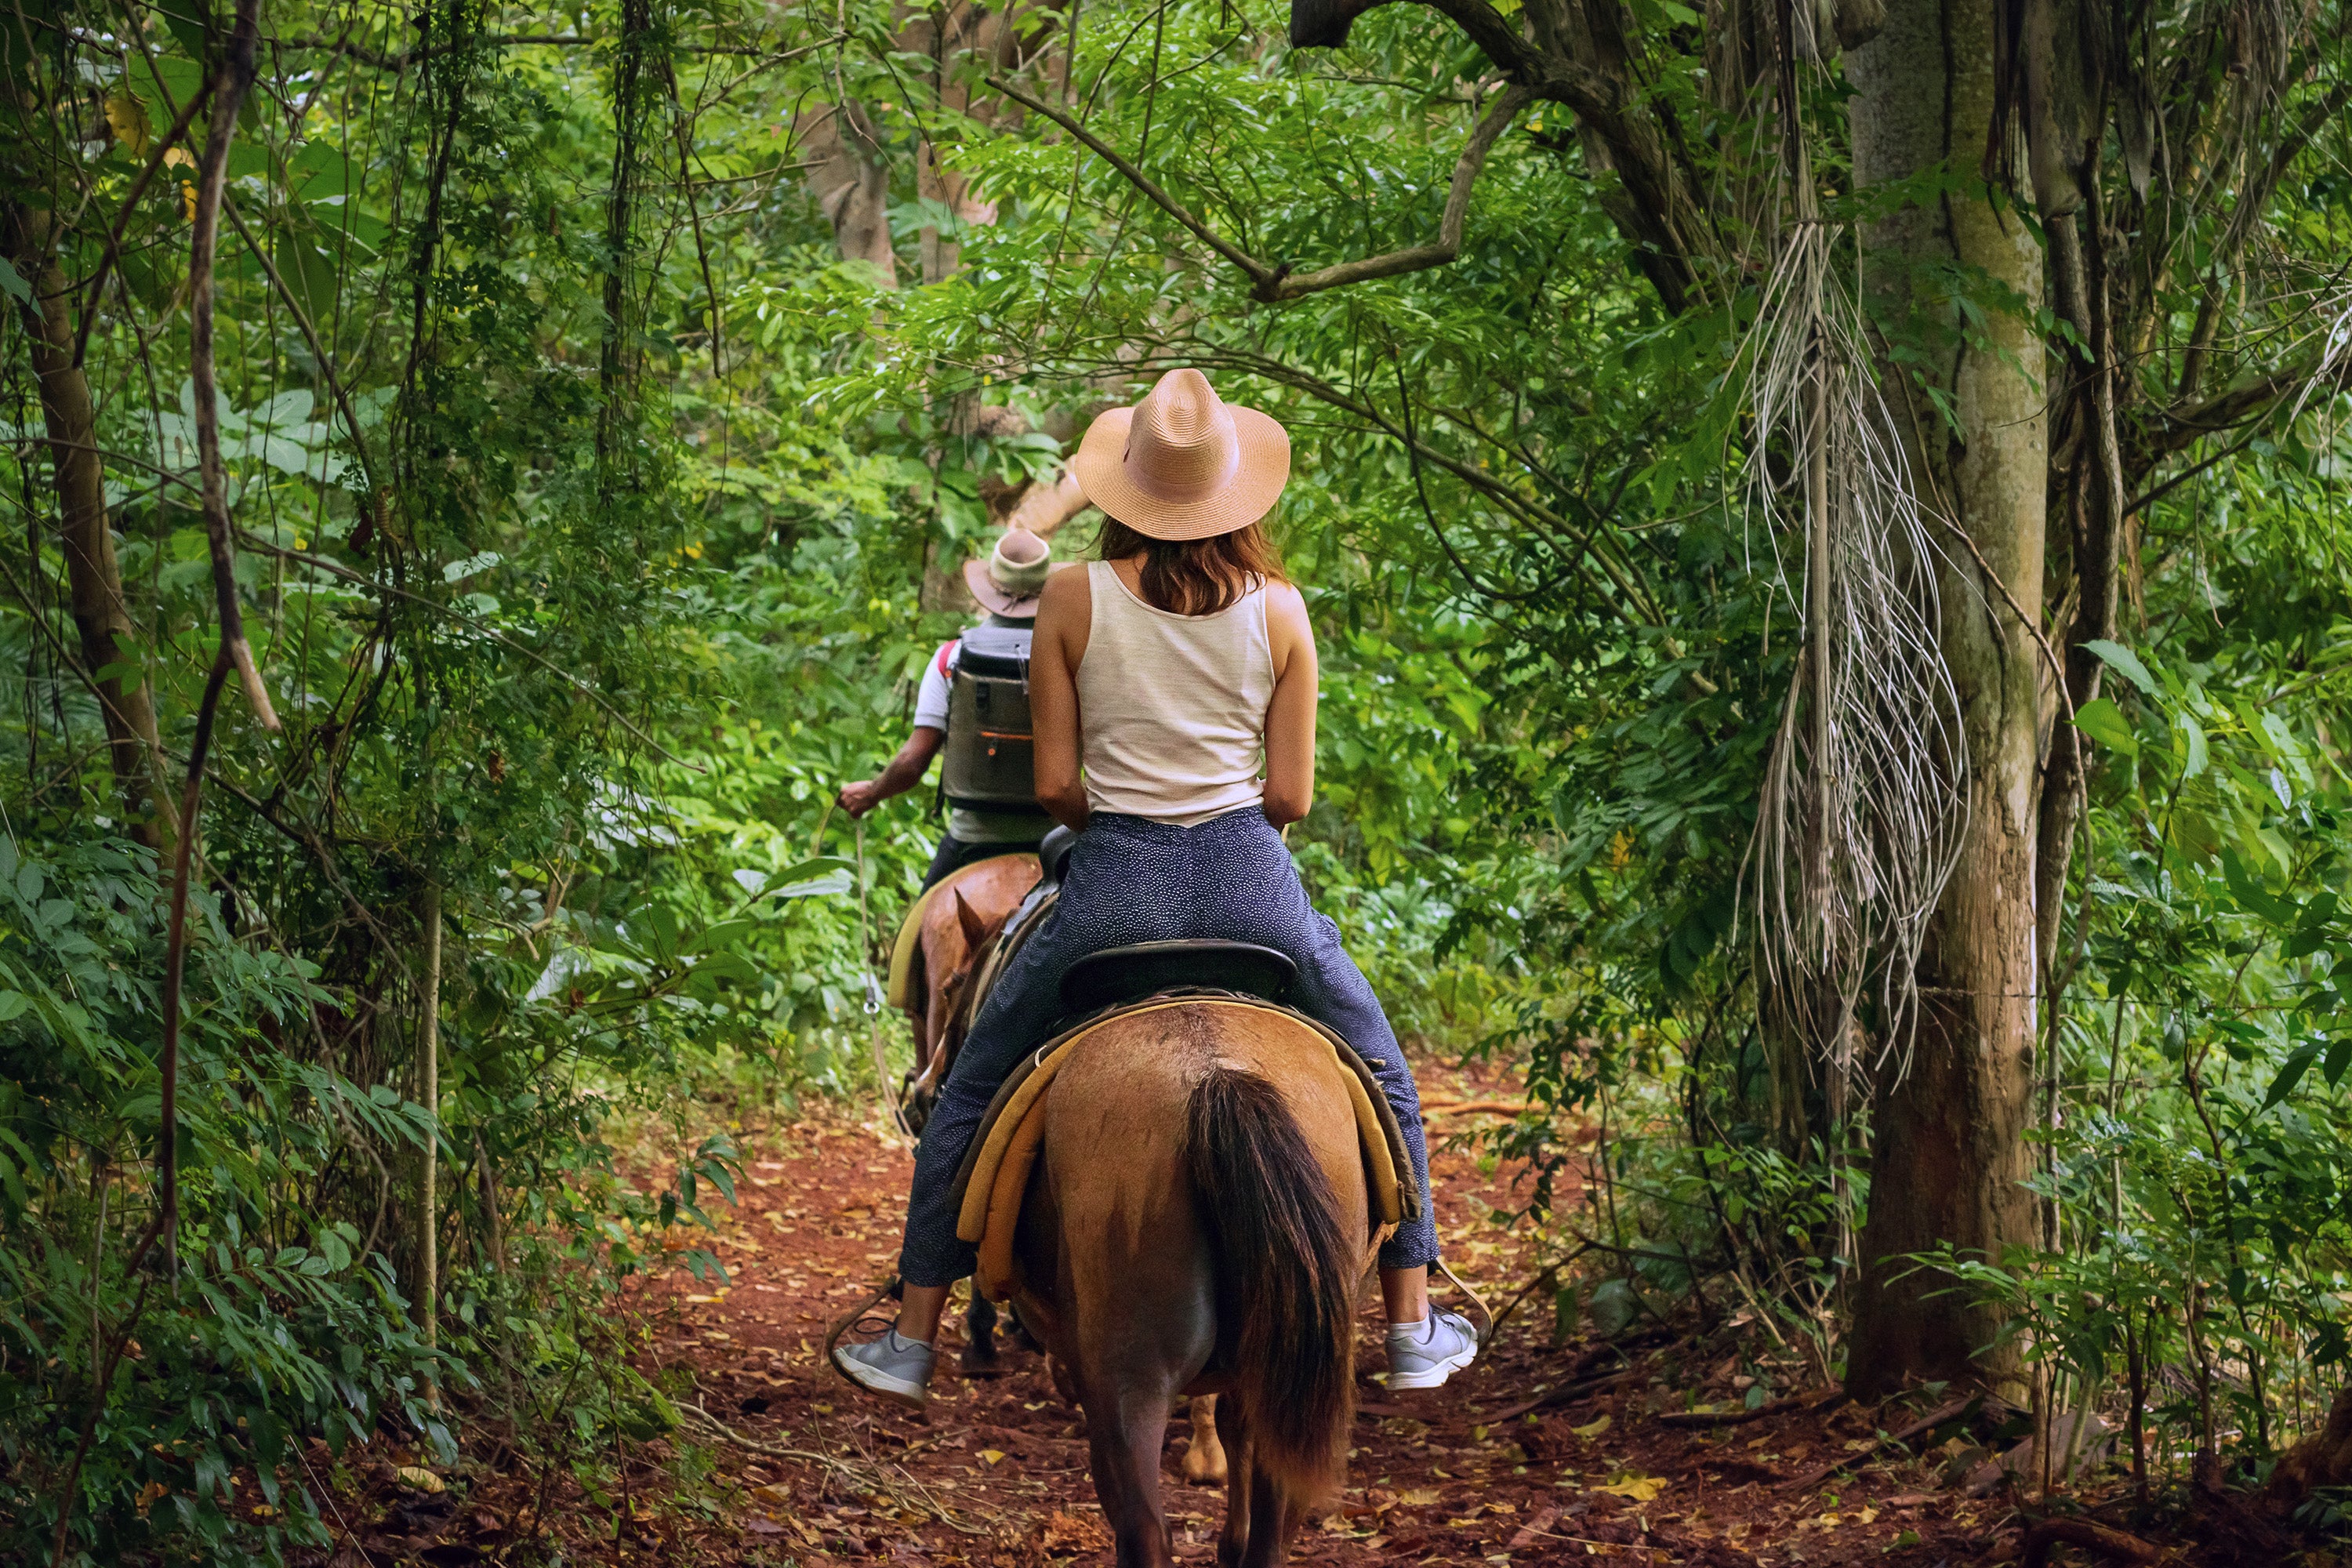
[1171,708]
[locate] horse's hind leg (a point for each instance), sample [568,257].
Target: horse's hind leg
[1258,1515]
[1270,1520]
[1234,1440]
[1204,1456]
[1123,1445]
[979,1336]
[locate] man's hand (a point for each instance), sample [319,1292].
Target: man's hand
[905,772]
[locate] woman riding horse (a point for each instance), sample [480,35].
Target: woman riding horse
[1173,689]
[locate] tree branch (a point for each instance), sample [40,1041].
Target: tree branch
[1260,274]
[1421,257]
[1273,283]
[234,79]
[310,335]
[2252,398]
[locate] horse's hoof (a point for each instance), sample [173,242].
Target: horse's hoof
[1063,1384]
[1203,1470]
[978,1362]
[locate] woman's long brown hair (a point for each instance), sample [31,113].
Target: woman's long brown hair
[1195,576]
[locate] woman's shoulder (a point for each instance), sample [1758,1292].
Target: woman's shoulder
[1285,602]
[1065,590]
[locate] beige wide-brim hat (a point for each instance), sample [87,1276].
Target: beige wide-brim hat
[1183,464]
[1008,582]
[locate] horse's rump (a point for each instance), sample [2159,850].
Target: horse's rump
[1202,1215]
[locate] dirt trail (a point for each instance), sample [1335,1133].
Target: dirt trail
[997,1474]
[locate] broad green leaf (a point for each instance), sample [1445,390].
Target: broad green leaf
[2250,892]
[827,874]
[2339,1057]
[2291,1073]
[2104,722]
[2123,662]
[2193,753]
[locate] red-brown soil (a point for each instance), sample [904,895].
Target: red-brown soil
[995,1473]
[816,1474]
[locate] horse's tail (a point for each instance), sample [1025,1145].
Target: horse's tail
[1287,1272]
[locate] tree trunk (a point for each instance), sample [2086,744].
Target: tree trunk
[93,581]
[954,38]
[852,182]
[1950,1157]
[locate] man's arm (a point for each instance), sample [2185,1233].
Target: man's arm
[904,772]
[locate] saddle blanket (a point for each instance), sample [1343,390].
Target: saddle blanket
[994,1177]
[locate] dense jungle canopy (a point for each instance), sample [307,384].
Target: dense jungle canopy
[1826,528]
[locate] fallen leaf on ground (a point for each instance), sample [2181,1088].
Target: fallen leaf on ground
[1073,1532]
[418,1477]
[1634,1487]
[1592,1429]
[989,1455]
[1420,1496]
[1533,1531]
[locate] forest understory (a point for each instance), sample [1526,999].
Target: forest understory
[1834,639]
[1643,1449]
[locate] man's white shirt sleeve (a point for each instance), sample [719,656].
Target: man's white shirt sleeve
[931,696]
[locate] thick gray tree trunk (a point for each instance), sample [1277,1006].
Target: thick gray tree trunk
[1949,1156]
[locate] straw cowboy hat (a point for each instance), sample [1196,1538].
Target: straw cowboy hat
[1183,464]
[1007,583]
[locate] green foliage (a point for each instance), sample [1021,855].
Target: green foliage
[586,505]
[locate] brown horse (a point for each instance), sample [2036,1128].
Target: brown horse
[959,924]
[1199,1223]
[962,917]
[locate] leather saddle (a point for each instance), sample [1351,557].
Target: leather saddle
[994,1177]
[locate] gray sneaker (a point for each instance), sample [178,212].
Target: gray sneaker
[1424,1354]
[893,1366]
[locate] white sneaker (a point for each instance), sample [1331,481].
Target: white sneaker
[1424,1354]
[893,1366]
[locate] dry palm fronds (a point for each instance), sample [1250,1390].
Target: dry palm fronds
[1862,815]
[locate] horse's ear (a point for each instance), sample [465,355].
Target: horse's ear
[975,929]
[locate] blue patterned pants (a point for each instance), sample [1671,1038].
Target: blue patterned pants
[1130,879]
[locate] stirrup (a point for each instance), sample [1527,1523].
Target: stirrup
[893,1290]
[1474,1300]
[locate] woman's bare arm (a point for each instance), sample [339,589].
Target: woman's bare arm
[1290,718]
[1065,616]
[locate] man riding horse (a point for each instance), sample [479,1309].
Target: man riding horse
[991,802]
[1173,689]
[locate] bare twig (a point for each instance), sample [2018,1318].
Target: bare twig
[867,1477]
[1567,1392]
[1272,282]
[1829,1399]
[1949,1411]
[113,251]
[2112,1545]
[233,81]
